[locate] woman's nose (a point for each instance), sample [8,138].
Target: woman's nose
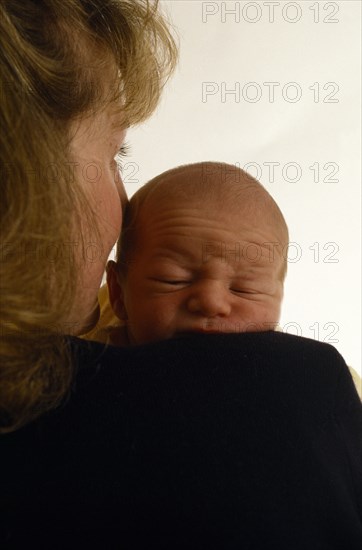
[209,299]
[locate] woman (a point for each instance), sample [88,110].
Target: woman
[228,441]
[75,75]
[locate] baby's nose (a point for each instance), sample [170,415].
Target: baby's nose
[209,299]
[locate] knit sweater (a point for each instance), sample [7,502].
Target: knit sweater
[232,441]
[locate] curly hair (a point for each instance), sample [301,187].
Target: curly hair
[53,57]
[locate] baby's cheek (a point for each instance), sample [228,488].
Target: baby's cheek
[269,315]
[259,316]
[157,323]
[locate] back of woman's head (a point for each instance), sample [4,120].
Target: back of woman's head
[60,60]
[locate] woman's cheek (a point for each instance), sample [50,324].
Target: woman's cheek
[108,218]
[106,211]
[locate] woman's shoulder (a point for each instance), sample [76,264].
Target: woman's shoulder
[273,355]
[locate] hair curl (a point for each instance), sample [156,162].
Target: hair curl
[53,57]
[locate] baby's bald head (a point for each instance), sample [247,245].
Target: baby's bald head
[210,187]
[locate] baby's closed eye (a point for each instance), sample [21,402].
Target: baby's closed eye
[170,276]
[169,281]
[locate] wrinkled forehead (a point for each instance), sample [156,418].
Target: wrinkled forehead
[201,219]
[193,236]
[214,192]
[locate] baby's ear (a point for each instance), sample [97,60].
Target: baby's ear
[115,291]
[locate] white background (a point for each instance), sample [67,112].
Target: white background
[311,50]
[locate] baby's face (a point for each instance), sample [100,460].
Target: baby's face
[199,269]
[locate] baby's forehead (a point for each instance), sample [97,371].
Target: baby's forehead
[176,223]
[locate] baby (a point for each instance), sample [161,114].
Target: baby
[203,249]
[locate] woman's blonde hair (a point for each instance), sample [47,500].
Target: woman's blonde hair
[54,55]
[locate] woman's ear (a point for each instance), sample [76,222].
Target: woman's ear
[115,291]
